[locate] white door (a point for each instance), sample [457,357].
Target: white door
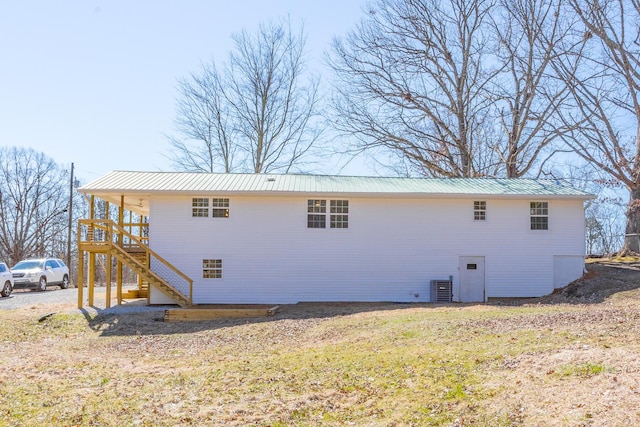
[472,279]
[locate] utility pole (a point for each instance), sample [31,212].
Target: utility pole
[70,210]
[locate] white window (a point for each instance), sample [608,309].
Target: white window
[539,212]
[200,207]
[479,210]
[212,268]
[220,208]
[316,213]
[339,214]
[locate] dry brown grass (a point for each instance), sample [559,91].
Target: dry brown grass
[568,359]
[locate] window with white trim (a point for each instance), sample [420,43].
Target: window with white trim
[219,208]
[212,269]
[479,210]
[339,214]
[316,213]
[200,207]
[204,207]
[539,212]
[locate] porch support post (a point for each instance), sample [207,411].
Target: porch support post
[80,278]
[108,280]
[107,266]
[92,256]
[140,234]
[120,243]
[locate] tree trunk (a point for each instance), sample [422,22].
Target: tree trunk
[632,236]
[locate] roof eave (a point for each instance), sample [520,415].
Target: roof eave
[145,193]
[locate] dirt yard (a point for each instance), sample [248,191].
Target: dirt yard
[568,359]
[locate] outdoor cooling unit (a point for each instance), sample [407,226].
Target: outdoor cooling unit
[442,290]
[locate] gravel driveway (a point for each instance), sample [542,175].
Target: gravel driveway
[22,298]
[66,300]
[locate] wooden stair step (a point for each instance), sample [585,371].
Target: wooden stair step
[135,257]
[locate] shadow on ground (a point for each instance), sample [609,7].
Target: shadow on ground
[115,322]
[599,283]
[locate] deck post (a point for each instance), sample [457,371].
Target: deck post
[92,278]
[140,233]
[92,256]
[108,280]
[80,278]
[120,243]
[107,264]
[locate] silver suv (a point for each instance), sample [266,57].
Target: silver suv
[41,272]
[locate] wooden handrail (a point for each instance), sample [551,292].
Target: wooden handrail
[123,254]
[111,229]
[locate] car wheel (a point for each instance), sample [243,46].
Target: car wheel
[65,282]
[42,284]
[6,289]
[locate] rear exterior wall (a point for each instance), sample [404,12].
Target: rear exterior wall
[390,251]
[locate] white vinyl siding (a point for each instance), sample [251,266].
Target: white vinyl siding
[394,247]
[566,269]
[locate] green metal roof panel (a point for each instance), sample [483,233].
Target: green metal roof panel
[160,182]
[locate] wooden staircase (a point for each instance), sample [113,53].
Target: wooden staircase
[143,285]
[105,236]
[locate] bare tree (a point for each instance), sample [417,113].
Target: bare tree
[603,75]
[258,114]
[34,198]
[604,230]
[455,87]
[604,215]
[527,93]
[413,80]
[204,122]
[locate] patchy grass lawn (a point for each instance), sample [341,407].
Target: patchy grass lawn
[555,361]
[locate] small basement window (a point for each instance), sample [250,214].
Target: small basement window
[200,207]
[480,210]
[539,212]
[212,269]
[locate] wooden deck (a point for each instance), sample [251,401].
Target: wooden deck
[115,241]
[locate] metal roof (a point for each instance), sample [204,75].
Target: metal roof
[147,183]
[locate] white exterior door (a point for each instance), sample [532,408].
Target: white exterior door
[472,279]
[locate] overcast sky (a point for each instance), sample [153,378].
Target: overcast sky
[94,82]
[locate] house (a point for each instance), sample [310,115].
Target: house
[262,238]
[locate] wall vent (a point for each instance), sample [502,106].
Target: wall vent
[442,290]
